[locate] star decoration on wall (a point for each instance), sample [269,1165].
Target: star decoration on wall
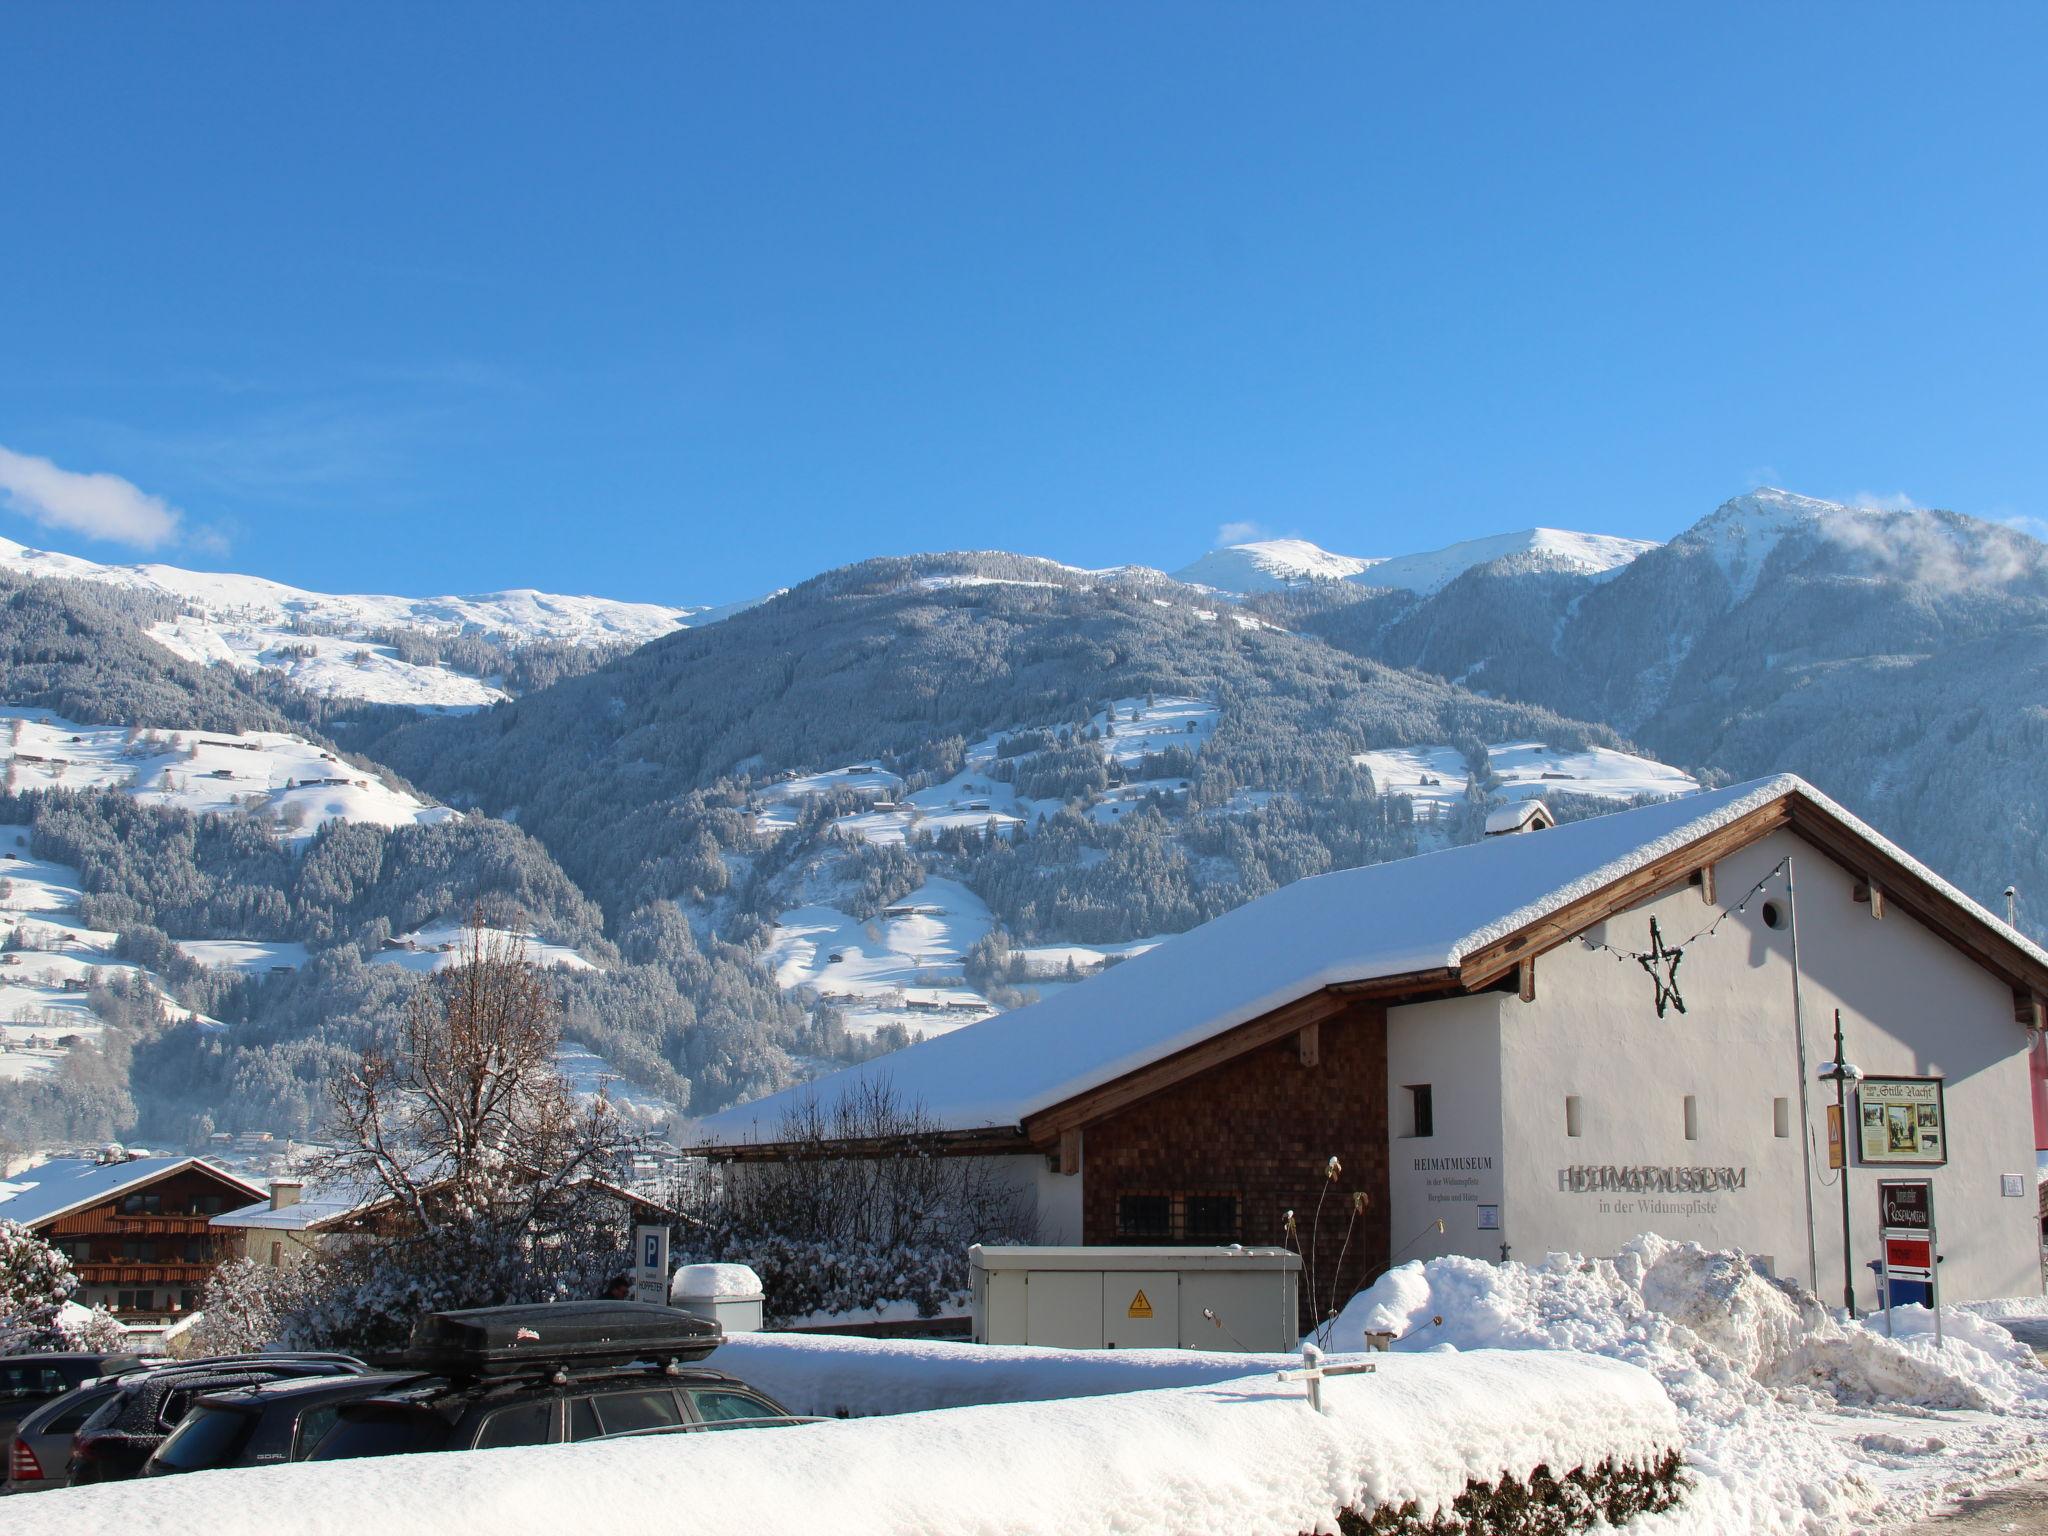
[1662,965]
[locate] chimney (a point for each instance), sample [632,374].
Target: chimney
[1519,816]
[284,1192]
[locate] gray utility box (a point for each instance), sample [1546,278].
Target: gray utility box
[1137,1298]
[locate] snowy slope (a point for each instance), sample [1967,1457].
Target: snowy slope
[48,962]
[286,779]
[248,621]
[1436,778]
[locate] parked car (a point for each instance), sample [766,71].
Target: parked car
[40,1448]
[272,1421]
[544,1375]
[124,1432]
[29,1381]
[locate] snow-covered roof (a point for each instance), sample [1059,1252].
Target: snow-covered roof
[1385,920]
[66,1184]
[313,1208]
[1518,814]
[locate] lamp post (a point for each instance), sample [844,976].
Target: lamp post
[1842,1074]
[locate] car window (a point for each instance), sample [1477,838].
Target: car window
[25,1383]
[74,1417]
[719,1406]
[175,1406]
[522,1424]
[380,1429]
[313,1426]
[642,1408]
[583,1423]
[210,1437]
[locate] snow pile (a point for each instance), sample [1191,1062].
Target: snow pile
[1794,1422]
[704,1282]
[1250,1458]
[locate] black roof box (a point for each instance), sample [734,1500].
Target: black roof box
[494,1341]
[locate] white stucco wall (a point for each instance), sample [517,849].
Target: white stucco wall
[1056,1197]
[1912,1006]
[1455,1047]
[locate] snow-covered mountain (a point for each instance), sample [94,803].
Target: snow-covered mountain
[1271,565]
[1546,549]
[325,642]
[1268,565]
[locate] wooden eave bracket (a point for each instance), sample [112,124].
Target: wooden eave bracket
[2028,1008]
[1870,891]
[1070,1152]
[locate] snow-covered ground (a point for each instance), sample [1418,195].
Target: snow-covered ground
[590,1076]
[1436,778]
[1247,1457]
[320,639]
[254,955]
[440,945]
[1794,1424]
[297,786]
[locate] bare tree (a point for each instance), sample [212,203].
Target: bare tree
[469,1117]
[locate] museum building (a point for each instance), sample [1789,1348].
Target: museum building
[1550,1040]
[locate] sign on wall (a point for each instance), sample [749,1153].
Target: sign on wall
[1900,1120]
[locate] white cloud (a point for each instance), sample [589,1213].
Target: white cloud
[2033,527]
[100,506]
[1876,501]
[1241,533]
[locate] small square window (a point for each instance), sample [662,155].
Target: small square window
[1211,1218]
[1145,1216]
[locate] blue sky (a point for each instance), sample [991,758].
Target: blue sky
[684,302]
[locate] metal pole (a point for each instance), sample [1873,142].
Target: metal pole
[1805,1109]
[1842,1116]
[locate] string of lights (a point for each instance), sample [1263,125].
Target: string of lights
[1660,961]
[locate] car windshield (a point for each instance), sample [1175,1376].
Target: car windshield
[381,1429]
[209,1437]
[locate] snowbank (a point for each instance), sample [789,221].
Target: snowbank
[1248,1459]
[1794,1422]
[811,1373]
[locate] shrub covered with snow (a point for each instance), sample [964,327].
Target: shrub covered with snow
[36,1309]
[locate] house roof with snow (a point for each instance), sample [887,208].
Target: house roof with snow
[66,1184]
[1437,924]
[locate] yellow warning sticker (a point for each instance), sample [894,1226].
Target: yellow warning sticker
[1140,1306]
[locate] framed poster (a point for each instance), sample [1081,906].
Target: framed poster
[1900,1120]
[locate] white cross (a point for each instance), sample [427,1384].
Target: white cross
[1313,1371]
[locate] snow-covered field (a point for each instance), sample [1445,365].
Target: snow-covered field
[284,778]
[1436,778]
[1248,1457]
[899,967]
[321,640]
[440,945]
